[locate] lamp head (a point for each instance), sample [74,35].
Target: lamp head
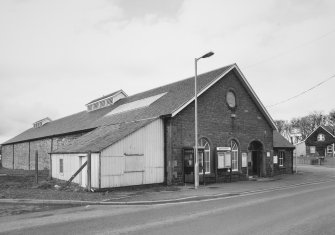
[207,55]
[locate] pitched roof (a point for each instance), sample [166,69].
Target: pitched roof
[174,98]
[329,129]
[102,137]
[280,142]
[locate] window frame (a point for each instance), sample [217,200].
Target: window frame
[310,149]
[206,155]
[231,91]
[281,157]
[321,137]
[330,147]
[234,155]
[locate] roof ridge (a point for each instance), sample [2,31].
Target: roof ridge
[180,81]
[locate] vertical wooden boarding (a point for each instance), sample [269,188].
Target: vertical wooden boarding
[89,171]
[36,166]
[99,170]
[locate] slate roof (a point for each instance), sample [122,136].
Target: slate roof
[176,96]
[330,129]
[102,137]
[279,141]
[178,93]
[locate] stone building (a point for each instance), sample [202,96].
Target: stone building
[149,137]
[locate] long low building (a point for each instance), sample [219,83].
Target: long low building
[149,137]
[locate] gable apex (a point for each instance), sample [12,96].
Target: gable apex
[244,81]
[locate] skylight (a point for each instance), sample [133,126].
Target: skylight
[136,104]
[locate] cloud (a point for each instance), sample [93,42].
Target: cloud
[58,55]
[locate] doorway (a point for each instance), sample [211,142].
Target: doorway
[255,166]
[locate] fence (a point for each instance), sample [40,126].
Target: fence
[328,161]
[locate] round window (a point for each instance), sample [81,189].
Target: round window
[231,99]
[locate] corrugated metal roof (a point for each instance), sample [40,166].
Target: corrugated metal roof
[280,142]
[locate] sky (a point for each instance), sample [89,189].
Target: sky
[56,56]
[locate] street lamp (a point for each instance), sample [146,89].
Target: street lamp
[196,164]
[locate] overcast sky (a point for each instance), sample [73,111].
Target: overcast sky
[55,56]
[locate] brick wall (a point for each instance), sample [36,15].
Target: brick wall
[25,159]
[215,124]
[287,167]
[320,146]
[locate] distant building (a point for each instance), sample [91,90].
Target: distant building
[320,143]
[300,149]
[149,137]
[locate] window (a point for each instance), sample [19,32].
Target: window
[231,99]
[281,158]
[61,166]
[234,155]
[96,105]
[321,137]
[102,103]
[312,149]
[329,149]
[207,155]
[109,101]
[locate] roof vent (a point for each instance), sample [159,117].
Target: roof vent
[41,122]
[105,101]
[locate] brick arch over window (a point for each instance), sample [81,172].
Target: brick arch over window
[206,159]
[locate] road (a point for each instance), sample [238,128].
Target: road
[306,209]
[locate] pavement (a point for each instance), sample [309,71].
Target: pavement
[306,174]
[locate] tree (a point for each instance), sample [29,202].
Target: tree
[331,117]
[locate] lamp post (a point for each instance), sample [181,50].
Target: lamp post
[196,162]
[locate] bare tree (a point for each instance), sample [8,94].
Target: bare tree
[331,117]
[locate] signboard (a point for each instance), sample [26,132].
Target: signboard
[223,148]
[275,159]
[220,160]
[244,160]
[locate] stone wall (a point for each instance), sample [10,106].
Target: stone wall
[24,153]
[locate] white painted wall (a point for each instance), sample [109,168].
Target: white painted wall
[136,159]
[300,149]
[71,163]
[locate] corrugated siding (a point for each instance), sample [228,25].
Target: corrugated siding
[71,163]
[147,145]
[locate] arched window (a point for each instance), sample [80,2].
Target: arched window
[234,155]
[207,155]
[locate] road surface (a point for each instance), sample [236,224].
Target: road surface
[305,209]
